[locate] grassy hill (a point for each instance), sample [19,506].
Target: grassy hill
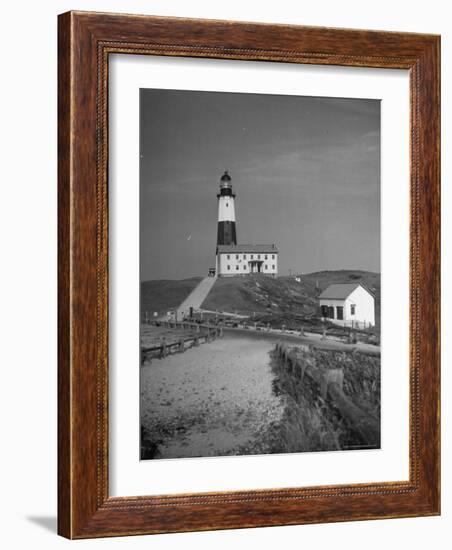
[268,299]
[163,295]
[260,294]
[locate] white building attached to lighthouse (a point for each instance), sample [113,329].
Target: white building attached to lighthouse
[234,259]
[245,259]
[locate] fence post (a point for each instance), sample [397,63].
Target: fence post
[181,345]
[196,341]
[290,361]
[163,348]
[303,364]
[331,376]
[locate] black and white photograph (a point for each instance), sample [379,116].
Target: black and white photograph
[259,274]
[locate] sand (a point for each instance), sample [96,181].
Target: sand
[213,400]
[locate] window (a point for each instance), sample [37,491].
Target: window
[266,257]
[236,267]
[252,256]
[273,256]
[340,312]
[228,257]
[266,267]
[244,266]
[258,256]
[229,267]
[236,256]
[273,267]
[244,256]
[353,309]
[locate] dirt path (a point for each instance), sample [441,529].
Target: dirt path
[210,401]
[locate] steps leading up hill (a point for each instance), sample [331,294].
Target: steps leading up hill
[196,297]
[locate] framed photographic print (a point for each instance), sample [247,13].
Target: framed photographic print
[248,275]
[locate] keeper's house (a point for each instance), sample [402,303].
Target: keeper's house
[245,259]
[348,305]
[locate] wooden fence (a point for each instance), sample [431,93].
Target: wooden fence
[324,343]
[164,348]
[346,334]
[299,363]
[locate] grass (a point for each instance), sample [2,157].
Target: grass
[163,295]
[261,294]
[283,299]
[313,424]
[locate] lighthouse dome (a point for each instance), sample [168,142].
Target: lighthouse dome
[225,180]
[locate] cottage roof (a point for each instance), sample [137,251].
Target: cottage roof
[340,291]
[247,248]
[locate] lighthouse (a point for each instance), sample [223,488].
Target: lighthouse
[227,233]
[234,259]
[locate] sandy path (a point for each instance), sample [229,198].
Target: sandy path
[211,400]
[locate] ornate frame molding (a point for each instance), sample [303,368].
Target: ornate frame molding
[85,42]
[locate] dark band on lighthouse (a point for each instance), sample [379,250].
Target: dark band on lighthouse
[227,233]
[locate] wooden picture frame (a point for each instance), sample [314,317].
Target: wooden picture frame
[85,42]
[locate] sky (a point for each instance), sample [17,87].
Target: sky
[305,170]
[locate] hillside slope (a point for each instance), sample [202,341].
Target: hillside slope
[163,295]
[258,294]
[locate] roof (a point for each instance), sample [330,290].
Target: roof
[340,291]
[250,248]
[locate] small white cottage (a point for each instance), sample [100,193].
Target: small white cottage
[348,304]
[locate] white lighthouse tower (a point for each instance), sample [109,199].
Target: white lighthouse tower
[234,259]
[227,233]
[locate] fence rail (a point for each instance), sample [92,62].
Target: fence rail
[311,322]
[164,348]
[330,382]
[338,344]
